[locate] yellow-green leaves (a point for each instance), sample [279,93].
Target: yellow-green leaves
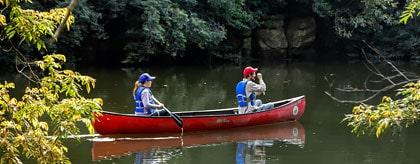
[389,113]
[2,20]
[63,81]
[412,91]
[52,107]
[23,128]
[51,62]
[410,11]
[4,2]
[33,25]
[7,85]
[12,2]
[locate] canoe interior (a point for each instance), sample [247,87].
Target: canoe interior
[214,112]
[222,112]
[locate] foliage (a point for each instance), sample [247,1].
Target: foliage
[162,27]
[138,30]
[410,9]
[166,24]
[36,124]
[399,42]
[396,114]
[174,28]
[86,30]
[32,25]
[169,26]
[374,21]
[363,16]
[232,12]
[2,20]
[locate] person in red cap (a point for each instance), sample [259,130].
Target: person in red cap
[247,90]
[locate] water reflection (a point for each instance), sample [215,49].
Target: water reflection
[157,156]
[251,142]
[252,151]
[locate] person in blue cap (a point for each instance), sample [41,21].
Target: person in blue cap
[146,103]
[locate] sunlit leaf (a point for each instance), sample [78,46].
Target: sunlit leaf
[2,19]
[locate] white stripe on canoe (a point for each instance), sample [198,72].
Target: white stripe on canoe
[109,139]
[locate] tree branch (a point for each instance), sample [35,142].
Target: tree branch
[32,77]
[395,68]
[377,72]
[60,28]
[388,81]
[376,92]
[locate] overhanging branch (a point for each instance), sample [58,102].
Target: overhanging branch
[62,25]
[385,80]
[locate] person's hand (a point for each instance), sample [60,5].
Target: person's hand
[259,76]
[161,105]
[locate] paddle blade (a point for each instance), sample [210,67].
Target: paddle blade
[175,117]
[178,120]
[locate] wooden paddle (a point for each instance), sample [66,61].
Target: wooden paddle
[175,117]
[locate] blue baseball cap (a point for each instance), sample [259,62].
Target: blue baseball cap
[145,77]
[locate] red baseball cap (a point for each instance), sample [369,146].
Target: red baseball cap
[248,70]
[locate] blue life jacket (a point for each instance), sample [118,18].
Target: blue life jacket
[241,94]
[139,103]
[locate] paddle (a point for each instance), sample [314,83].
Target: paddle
[176,118]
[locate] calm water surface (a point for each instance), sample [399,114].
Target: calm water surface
[318,137]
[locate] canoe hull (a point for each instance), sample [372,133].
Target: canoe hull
[108,123]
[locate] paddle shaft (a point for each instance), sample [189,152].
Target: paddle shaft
[175,117]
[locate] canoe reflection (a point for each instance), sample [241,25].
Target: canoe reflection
[107,147]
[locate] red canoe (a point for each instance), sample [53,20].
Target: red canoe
[288,132]
[109,123]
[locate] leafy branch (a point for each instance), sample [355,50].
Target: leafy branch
[396,114]
[52,108]
[410,10]
[33,25]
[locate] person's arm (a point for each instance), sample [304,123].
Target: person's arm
[257,88]
[158,102]
[261,82]
[145,98]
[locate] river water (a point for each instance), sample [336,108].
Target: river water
[318,137]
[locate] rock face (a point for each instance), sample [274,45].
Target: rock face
[301,35]
[272,40]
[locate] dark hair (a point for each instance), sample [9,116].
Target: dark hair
[250,74]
